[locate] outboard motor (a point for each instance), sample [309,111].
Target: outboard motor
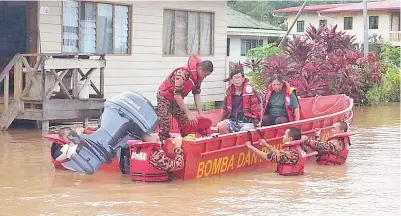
[126,116]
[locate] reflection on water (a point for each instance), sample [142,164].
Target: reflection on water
[369,184]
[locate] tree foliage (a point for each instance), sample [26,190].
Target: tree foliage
[323,63]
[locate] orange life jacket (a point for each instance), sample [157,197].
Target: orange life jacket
[250,101]
[140,168]
[55,138]
[166,89]
[331,159]
[298,168]
[287,99]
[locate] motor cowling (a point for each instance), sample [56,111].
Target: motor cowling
[126,116]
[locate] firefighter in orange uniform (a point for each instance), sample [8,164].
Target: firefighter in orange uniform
[335,150]
[291,160]
[149,163]
[171,93]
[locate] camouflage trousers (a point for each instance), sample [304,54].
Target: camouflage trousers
[166,110]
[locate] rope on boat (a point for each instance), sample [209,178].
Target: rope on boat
[316,112]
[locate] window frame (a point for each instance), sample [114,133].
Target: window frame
[129,40]
[303,25]
[320,21]
[260,42]
[213,35]
[377,22]
[352,23]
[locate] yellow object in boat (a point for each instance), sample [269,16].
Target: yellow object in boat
[190,137]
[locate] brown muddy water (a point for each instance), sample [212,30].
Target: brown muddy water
[369,184]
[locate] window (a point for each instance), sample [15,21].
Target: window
[187,33]
[348,21]
[247,45]
[300,26]
[228,46]
[95,28]
[373,22]
[322,23]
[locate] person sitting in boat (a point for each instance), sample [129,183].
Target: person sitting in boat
[242,108]
[291,160]
[62,149]
[150,163]
[281,103]
[335,150]
[171,93]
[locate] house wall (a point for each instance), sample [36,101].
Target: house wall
[358,24]
[235,47]
[145,68]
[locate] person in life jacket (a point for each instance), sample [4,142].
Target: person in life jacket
[281,103]
[291,159]
[150,163]
[242,108]
[62,149]
[173,90]
[335,150]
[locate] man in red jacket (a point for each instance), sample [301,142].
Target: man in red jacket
[171,93]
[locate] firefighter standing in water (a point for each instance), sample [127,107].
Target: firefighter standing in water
[150,163]
[335,150]
[242,108]
[291,160]
[171,93]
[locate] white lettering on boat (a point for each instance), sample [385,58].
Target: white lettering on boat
[139,156]
[226,163]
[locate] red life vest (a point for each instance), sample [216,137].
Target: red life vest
[166,89]
[55,138]
[331,159]
[250,100]
[140,168]
[298,168]
[287,99]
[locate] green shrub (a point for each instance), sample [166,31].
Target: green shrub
[390,54]
[389,89]
[254,58]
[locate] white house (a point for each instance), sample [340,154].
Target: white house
[143,40]
[384,19]
[245,33]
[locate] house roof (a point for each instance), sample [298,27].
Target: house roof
[371,6]
[350,7]
[312,8]
[239,20]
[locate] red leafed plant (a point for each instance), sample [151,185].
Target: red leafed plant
[323,62]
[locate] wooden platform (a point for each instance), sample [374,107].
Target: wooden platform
[35,95]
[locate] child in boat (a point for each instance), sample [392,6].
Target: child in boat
[63,150]
[291,160]
[242,108]
[335,150]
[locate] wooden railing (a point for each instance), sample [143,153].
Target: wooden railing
[32,73]
[29,66]
[395,36]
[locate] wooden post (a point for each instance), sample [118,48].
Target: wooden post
[18,80]
[43,90]
[102,82]
[86,122]
[6,90]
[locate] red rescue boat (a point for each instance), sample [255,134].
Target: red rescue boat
[214,155]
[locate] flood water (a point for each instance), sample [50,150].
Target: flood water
[369,183]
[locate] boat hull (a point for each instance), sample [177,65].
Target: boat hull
[227,153]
